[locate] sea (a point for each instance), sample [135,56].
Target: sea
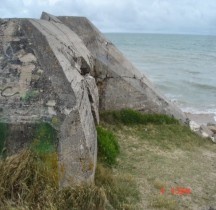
[183,67]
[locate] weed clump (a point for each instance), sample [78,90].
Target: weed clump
[81,197]
[25,179]
[108,147]
[30,181]
[131,117]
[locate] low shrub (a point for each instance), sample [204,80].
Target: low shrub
[108,147]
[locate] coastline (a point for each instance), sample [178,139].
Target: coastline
[202,118]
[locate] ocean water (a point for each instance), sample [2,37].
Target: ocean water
[183,67]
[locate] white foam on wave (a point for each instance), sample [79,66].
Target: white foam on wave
[193,110]
[200,111]
[185,107]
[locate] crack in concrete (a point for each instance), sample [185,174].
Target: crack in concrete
[4,89]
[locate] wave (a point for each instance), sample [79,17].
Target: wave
[194,110]
[194,72]
[201,86]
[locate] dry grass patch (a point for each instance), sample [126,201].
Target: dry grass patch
[30,181]
[163,202]
[158,184]
[166,155]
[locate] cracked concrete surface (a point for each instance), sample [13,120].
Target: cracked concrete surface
[120,84]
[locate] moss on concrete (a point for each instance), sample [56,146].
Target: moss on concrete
[3,136]
[44,138]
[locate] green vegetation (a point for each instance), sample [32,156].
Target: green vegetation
[3,135]
[44,138]
[163,154]
[108,147]
[27,181]
[169,136]
[28,95]
[120,189]
[132,117]
[162,202]
[138,155]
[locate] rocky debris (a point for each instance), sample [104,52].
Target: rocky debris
[212,128]
[194,126]
[202,130]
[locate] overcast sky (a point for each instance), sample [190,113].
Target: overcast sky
[148,16]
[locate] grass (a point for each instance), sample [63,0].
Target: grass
[25,180]
[132,117]
[29,179]
[164,154]
[121,190]
[108,147]
[158,184]
[169,136]
[138,154]
[162,202]
[156,129]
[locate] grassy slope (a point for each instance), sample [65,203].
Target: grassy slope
[137,152]
[167,155]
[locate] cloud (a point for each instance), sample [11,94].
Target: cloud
[164,16]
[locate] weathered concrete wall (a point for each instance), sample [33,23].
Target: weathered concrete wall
[120,84]
[44,77]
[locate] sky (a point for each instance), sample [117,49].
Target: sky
[140,16]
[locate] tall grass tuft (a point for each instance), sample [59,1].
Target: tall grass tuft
[28,181]
[81,197]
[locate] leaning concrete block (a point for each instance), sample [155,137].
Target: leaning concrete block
[43,78]
[120,84]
